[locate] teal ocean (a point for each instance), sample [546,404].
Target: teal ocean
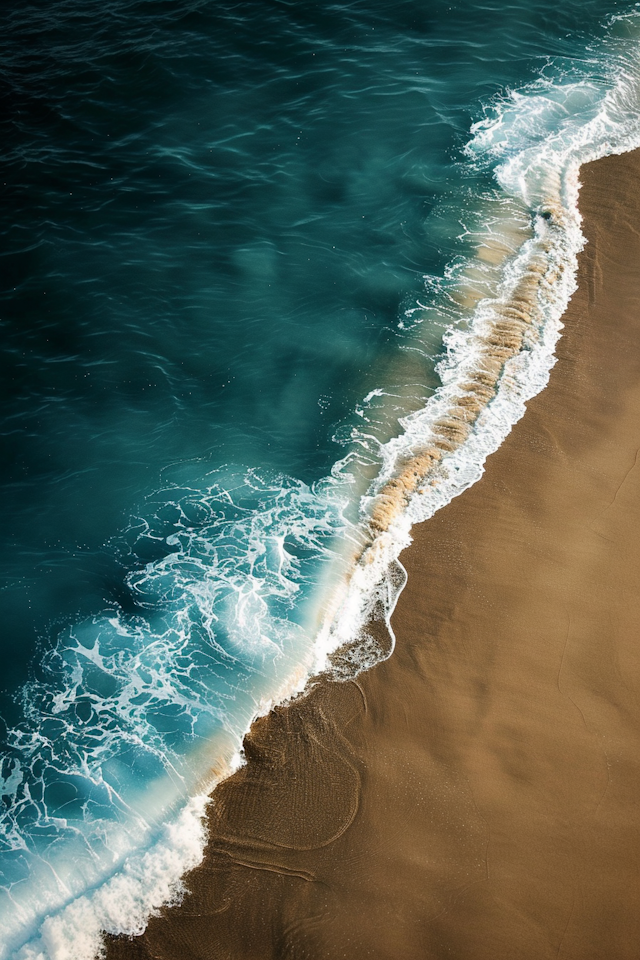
[251,256]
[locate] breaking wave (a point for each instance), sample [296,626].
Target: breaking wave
[262,581]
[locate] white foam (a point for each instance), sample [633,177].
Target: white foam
[537,138]
[125,902]
[215,650]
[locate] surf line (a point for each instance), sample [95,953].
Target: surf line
[512,324]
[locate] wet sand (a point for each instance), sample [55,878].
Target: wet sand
[476,796]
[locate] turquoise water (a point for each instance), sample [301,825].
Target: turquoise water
[242,250]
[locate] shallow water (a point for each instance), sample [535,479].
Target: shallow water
[235,236]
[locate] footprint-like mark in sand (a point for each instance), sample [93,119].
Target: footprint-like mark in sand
[300,789]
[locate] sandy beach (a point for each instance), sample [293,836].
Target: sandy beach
[476,796]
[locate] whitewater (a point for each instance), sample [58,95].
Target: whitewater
[266,580]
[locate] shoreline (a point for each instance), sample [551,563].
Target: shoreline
[472,796]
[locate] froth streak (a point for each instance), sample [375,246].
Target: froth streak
[511,323]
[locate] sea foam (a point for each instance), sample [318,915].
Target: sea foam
[250,556]
[535,138]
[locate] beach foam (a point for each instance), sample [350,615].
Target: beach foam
[504,309]
[536,139]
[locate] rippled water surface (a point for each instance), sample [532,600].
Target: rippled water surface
[228,238]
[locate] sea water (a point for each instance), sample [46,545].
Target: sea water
[276,278]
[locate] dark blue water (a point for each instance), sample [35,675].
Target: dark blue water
[223,224]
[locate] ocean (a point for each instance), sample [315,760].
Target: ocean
[276,278]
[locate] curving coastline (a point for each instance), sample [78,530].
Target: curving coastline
[261,564]
[472,796]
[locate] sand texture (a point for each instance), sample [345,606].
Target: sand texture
[476,796]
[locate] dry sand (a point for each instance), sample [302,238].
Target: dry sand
[476,796]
